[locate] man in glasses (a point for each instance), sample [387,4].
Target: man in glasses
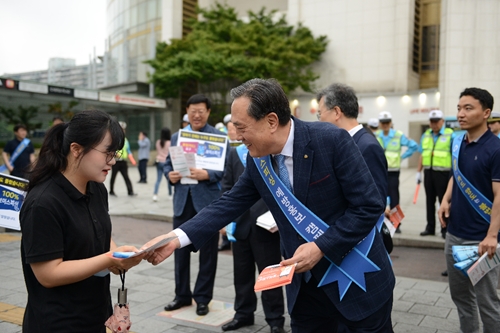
[189,199]
[435,159]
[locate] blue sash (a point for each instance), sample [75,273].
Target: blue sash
[477,200]
[242,151]
[20,148]
[310,227]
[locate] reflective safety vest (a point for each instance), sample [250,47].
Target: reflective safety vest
[392,151]
[437,156]
[124,150]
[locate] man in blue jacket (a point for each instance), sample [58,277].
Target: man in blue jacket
[188,200]
[325,203]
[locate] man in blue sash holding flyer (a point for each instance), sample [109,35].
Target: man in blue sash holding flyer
[18,153]
[471,210]
[326,206]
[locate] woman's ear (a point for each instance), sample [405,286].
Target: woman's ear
[75,150]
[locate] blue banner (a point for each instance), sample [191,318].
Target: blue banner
[10,200]
[478,201]
[310,227]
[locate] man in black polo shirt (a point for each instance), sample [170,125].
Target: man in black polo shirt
[23,157]
[478,155]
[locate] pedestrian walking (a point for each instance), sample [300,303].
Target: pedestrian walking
[121,166]
[162,146]
[143,156]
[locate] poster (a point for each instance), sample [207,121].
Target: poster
[12,194]
[209,149]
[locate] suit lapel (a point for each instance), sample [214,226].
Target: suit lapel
[302,160]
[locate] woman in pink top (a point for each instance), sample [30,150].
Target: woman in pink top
[162,146]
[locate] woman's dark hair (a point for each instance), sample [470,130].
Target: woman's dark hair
[164,136]
[87,129]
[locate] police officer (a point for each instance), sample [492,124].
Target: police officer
[494,123]
[392,141]
[435,159]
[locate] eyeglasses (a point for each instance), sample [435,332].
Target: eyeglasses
[110,154]
[199,112]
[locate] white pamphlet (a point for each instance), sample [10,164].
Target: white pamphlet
[267,222]
[482,266]
[191,163]
[389,226]
[181,162]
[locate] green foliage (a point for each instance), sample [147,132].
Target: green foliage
[58,110]
[223,51]
[23,115]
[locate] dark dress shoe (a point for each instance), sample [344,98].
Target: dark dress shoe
[201,309]
[427,233]
[444,273]
[225,246]
[237,323]
[276,329]
[176,304]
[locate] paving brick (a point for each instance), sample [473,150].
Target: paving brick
[433,311]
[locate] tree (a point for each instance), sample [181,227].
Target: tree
[67,113]
[24,115]
[223,51]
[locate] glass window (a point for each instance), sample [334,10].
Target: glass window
[430,47]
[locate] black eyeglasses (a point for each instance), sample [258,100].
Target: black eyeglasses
[110,154]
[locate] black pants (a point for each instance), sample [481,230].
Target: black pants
[393,187]
[247,253]
[142,170]
[314,312]
[122,167]
[435,183]
[204,285]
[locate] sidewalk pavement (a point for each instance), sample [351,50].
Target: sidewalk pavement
[419,305]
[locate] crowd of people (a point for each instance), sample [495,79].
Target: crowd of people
[341,176]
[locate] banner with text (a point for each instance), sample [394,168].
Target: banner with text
[210,149]
[12,193]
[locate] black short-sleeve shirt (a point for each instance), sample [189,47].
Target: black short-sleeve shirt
[23,160]
[58,221]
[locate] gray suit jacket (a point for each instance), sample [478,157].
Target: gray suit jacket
[331,178]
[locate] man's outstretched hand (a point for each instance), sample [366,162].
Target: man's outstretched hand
[158,255]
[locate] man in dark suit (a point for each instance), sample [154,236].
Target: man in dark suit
[254,245]
[188,200]
[328,175]
[338,104]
